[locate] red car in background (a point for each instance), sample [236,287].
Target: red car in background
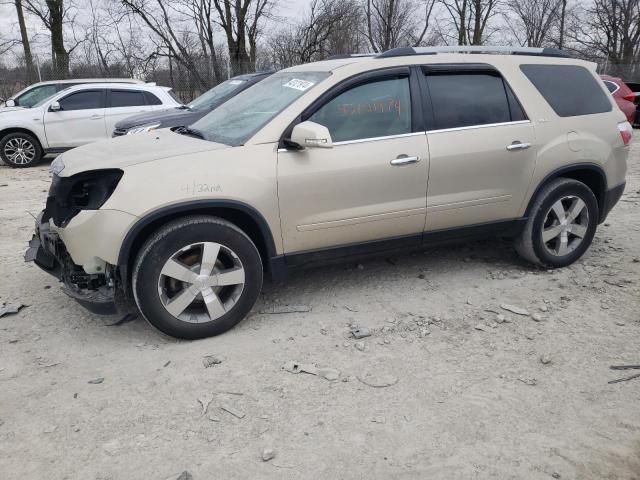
[623,95]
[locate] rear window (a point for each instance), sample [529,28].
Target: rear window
[472,99]
[127,98]
[571,90]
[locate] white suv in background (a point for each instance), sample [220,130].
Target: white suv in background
[75,116]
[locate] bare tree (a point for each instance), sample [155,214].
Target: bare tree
[392,23]
[26,46]
[331,27]
[470,18]
[55,15]
[610,29]
[532,21]
[242,21]
[563,16]
[202,13]
[173,42]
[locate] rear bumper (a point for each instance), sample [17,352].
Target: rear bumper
[611,197]
[95,292]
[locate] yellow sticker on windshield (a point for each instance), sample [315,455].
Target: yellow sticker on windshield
[298,84]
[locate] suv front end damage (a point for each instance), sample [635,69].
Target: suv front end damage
[74,204]
[96,292]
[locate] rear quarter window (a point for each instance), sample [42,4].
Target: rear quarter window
[571,90]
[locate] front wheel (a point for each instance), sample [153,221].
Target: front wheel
[20,150]
[561,224]
[197,277]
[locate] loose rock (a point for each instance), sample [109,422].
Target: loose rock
[211,360]
[268,454]
[359,346]
[96,381]
[185,476]
[361,332]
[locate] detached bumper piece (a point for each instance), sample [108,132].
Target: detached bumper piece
[92,291]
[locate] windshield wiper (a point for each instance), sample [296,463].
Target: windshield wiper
[190,131]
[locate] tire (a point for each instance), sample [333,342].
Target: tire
[579,233]
[20,150]
[171,268]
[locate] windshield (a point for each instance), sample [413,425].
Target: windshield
[237,120]
[36,95]
[210,97]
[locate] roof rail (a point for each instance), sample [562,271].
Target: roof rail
[340,56]
[479,49]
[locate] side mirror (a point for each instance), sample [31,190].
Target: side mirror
[311,135]
[55,107]
[10,103]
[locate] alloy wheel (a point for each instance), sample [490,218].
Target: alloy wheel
[19,151]
[201,282]
[565,225]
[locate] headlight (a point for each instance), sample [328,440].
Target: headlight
[83,191]
[143,128]
[57,165]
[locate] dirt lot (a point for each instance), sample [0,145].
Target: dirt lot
[444,388]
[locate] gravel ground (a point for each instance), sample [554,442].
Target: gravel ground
[449,384]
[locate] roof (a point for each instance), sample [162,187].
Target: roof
[462,53]
[90,80]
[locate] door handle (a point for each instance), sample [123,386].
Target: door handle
[517,145]
[401,160]
[95,117]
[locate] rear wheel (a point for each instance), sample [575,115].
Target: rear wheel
[197,277]
[561,224]
[20,150]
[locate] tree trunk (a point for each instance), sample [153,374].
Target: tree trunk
[562,17]
[28,58]
[59,53]
[462,37]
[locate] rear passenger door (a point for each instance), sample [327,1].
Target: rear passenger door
[124,103]
[482,146]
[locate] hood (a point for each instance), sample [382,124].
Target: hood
[174,117]
[11,109]
[129,150]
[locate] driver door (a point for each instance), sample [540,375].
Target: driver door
[80,120]
[371,185]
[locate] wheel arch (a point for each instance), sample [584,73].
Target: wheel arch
[10,130]
[245,217]
[591,174]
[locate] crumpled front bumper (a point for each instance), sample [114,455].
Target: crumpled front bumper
[48,252]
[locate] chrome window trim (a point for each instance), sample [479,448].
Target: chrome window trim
[473,127]
[375,139]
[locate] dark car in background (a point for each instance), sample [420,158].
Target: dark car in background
[187,114]
[623,95]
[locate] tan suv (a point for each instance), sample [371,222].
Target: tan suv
[341,157]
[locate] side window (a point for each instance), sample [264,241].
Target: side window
[127,98]
[612,87]
[85,100]
[152,99]
[571,90]
[376,109]
[470,99]
[35,95]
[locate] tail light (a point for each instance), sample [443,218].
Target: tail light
[626,132]
[631,97]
